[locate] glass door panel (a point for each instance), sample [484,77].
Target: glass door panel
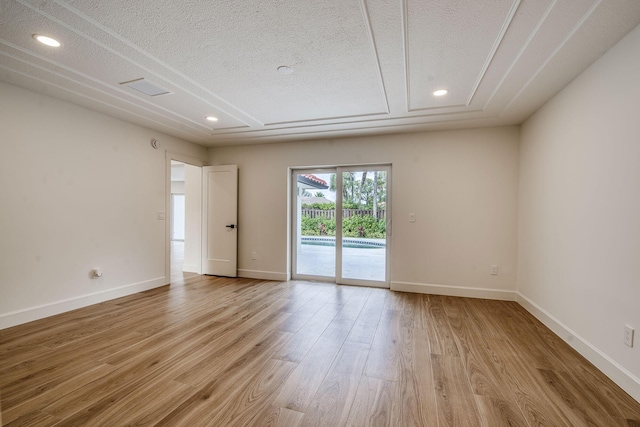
[364,225]
[315,222]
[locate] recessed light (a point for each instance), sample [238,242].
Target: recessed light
[212,118]
[440,92]
[284,69]
[47,40]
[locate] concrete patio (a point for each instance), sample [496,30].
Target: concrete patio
[358,263]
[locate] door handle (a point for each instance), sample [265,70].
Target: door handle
[231,226]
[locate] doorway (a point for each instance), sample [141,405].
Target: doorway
[183,219]
[341,224]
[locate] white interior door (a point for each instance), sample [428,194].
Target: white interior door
[220,220]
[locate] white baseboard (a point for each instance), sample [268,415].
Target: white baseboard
[191,268]
[617,373]
[264,275]
[454,291]
[30,314]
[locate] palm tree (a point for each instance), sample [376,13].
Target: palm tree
[375,194]
[364,179]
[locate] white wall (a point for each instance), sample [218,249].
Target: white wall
[193,233]
[460,184]
[79,190]
[579,204]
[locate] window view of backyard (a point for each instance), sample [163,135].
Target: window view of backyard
[364,222]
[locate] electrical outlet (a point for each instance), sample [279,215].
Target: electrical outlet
[494,270]
[412,217]
[254,255]
[628,335]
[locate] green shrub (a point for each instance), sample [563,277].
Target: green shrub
[364,226]
[355,226]
[311,226]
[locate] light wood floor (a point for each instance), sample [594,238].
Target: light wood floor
[233,352]
[177,263]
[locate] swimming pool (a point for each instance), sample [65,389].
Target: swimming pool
[347,242]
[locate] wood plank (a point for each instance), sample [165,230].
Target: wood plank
[384,357]
[197,409]
[332,402]
[364,329]
[522,380]
[567,397]
[298,391]
[304,339]
[441,338]
[241,406]
[615,401]
[497,412]
[36,418]
[223,349]
[455,400]
[279,417]
[44,398]
[373,403]
[143,405]
[415,402]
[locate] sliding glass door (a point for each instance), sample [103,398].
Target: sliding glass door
[341,225]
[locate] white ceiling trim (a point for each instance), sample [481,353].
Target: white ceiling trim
[348,122]
[405,51]
[533,33]
[408,121]
[374,50]
[503,31]
[568,37]
[405,127]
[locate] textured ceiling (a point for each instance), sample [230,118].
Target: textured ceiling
[360,66]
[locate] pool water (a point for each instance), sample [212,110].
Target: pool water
[349,242]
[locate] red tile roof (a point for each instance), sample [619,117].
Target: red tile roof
[315,179]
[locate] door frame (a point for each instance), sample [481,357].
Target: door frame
[338,170]
[183,158]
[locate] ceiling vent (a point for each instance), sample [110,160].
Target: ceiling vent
[146,87]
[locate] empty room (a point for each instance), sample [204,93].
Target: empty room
[302,213]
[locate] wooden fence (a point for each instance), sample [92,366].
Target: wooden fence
[346,213]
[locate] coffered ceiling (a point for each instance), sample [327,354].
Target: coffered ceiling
[351,67]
